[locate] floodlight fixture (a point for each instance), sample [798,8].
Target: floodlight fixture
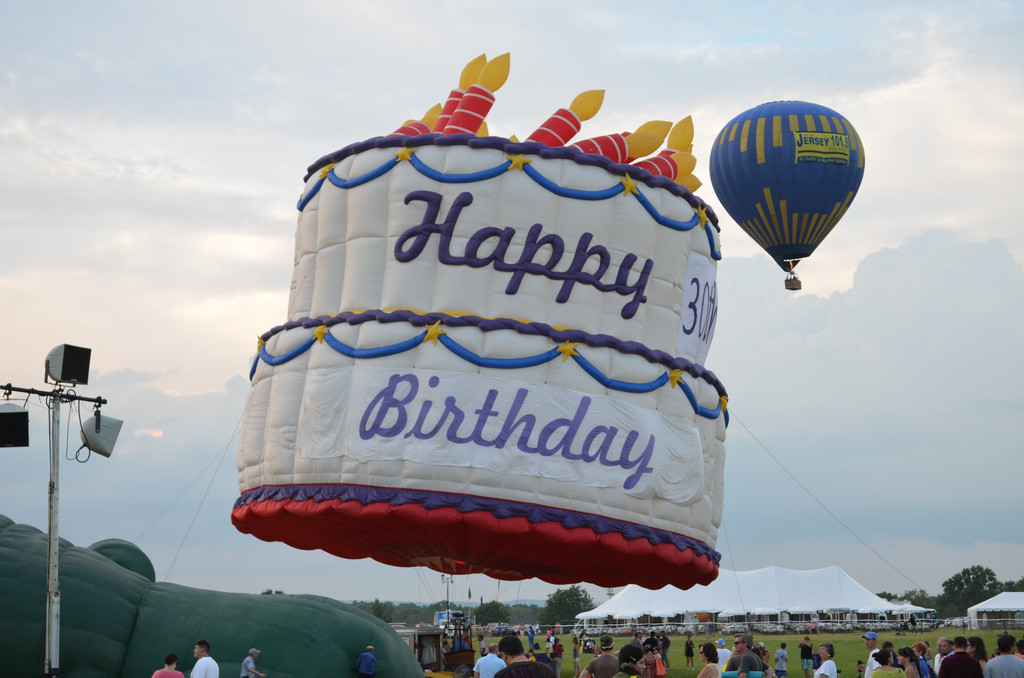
[67,364]
[13,425]
[99,433]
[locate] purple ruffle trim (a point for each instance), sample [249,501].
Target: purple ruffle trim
[492,324]
[465,503]
[515,148]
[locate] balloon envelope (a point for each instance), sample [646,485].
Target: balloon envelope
[786,172]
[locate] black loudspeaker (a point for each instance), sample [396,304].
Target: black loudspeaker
[68,364]
[13,426]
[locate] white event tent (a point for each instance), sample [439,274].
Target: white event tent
[1004,610]
[758,592]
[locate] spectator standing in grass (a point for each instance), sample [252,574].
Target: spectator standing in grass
[885,667]
[976,648]
[912,665]
[743,659]
[605,664]
[959,664]
[781,661]
[943,648]
[871,643]
[709,655]
[828,666]
[807,656]
[1006,664]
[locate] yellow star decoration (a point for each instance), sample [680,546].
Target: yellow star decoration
[260,343]
[675,376]
[326,170]
[433,332]
[629,184]
[702,214]
[319,333]
[518,162]
[404,154]
[725,402]
[568,350]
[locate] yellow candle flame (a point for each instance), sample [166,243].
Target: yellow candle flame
[659,128]
[587,104]
[681,136]
[471,71]
[685,161]
[431,116]
[641,144]
[691,182]
[495,73]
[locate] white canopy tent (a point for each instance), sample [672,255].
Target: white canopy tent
[1002,611]
[777,588]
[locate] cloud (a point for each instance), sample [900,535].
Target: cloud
[875,402]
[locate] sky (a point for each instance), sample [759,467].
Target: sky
[151,155]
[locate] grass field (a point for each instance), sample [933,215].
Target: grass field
[849,648]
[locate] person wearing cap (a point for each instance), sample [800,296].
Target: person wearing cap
[249,665]
[631,660]
[871,643]
[723,652]
[366,665]
[605,664]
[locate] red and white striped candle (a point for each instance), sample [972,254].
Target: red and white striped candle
[612,146]
[473,109]
[412,128]
[450,104]
[661,165]
[558,129]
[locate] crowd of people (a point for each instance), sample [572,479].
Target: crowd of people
[961,657]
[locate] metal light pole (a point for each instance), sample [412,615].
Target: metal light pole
[51,664]
[100,441]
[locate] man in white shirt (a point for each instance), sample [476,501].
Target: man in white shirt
[205,666]
[943,649]
[871,643]
[723,652]
[489,664]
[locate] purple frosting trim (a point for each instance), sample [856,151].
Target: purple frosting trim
[469,503]
[515,148]
[492,324]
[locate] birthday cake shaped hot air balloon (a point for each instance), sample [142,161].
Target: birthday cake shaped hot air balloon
[493,356]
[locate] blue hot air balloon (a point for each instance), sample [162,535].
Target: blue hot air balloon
[786,172]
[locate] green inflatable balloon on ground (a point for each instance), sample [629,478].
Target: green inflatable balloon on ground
[117,621]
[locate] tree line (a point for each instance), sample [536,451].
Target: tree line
[967,587]
[562,606]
